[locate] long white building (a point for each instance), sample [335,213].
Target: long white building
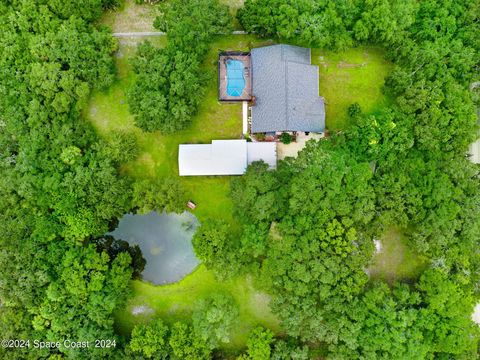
[224,157]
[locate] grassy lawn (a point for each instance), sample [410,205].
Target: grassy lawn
[174,302]
[396,261]
[354,75]
[108,112]
[130,17]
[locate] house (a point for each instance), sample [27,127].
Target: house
[223,157]
[285,87]
[281,85]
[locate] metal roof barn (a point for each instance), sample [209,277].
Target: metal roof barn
[223,157]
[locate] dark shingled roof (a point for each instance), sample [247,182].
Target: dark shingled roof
[285,86]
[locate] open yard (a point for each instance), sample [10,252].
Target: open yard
[174,302]
[395,261]
[346,77]
[108,112]
[130,17]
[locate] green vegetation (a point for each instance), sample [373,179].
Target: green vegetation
[286,138]
[356,75]
[296,240]
[150,195]
[322,217]
[129,16]
[396,260]
[214,318]
[169,83]
[59,182]
[385,315]
[149,340]
[158,154]
[259,344]
[234,5]
[399,162]
[157,158]
[175,302]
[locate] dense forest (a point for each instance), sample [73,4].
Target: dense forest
[307,227]
[405,166]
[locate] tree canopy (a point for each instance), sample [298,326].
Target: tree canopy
[169,83]
[305,229]
[59,186]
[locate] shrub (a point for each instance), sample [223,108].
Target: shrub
[286,138]
[354,110]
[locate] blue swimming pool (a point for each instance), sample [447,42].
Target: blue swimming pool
[235,77]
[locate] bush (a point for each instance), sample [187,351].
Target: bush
[286,138]
[354,110]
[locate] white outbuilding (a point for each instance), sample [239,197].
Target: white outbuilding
[224,157]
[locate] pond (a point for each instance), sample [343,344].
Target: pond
[165,241]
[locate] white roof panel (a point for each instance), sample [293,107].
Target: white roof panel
[266,151]
[222,157]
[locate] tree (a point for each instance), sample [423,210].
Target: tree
[59,187]
[115,247]
[169,85]
[255,194]
[216,248]
[314,258]
[385,21]
[402,323]
[186,344]
[81,292]
[283,350]
[210,241]
[150,340]
[213,319]
[167,91]
[259,344]
[191,24]
[313,23]
[158,194]
[254,240]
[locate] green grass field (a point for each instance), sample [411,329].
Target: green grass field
[396,261]
[354,75]
[175,302]
[130,17]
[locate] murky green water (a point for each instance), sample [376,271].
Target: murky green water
[165,241]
